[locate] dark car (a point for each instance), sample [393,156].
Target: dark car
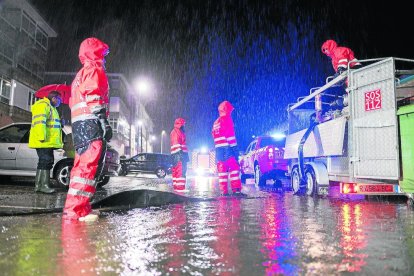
[17,159]
[156,163]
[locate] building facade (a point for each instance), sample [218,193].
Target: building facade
[24,37]
[131,124]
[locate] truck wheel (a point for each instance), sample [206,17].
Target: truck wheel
[296,182]
[62,175]
[259,179]
[311,184]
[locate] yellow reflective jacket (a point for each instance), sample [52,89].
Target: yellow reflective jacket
[46,130]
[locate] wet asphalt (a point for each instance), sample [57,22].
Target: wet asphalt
[145,229]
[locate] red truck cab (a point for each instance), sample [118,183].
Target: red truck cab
[263,160]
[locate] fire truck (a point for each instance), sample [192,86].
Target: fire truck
[203,162]
[366,145]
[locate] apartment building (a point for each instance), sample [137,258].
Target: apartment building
[24,37]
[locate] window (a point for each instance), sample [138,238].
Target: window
[151,157]
[41,38]
[114,124]
[251,147]
[31,99]
[270,141]
[140,157]
[14,134]
[28,25]
[5,88]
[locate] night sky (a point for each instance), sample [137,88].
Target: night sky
[259,55]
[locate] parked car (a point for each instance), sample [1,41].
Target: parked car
[156,163]
[263,160]
[17,159]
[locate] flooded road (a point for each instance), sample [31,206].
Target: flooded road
[277,234]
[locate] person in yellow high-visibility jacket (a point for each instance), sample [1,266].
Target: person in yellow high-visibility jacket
[45,136]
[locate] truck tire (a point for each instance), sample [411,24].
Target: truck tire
[296,182]
[311,183]
[259,179]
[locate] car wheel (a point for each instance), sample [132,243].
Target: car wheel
[296,181]
[311,184]
[104,181]
[259,179]
[160,172]
[62,175]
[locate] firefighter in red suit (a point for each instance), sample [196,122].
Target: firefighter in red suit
[340,56]
[90,128]
[226,150]
[179,153]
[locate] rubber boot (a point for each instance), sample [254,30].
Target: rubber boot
[44,182]
[37,181]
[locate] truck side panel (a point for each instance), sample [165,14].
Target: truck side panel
[375,149]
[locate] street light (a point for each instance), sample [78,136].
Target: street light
[142,86]
[140,134]
[162,138]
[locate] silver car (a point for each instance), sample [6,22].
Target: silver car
[17,159]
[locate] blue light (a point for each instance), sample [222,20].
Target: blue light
[279,136]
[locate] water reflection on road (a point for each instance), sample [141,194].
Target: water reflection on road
[280,234]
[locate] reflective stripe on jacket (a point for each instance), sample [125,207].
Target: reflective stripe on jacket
[177,139]
[223,132]
[46,130]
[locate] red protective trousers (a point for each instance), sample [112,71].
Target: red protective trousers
[229,168]
[82,187]
[178,176]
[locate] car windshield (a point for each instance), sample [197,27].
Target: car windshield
[270,141]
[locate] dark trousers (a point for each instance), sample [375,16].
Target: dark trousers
[46,159]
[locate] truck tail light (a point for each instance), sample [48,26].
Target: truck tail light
[349,188]
[270,153]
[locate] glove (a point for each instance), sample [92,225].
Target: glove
[106,127]
[176,157]
[340,70]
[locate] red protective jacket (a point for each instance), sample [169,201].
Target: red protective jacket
[89,95]
[223,128]
[340,55]
[177,137]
